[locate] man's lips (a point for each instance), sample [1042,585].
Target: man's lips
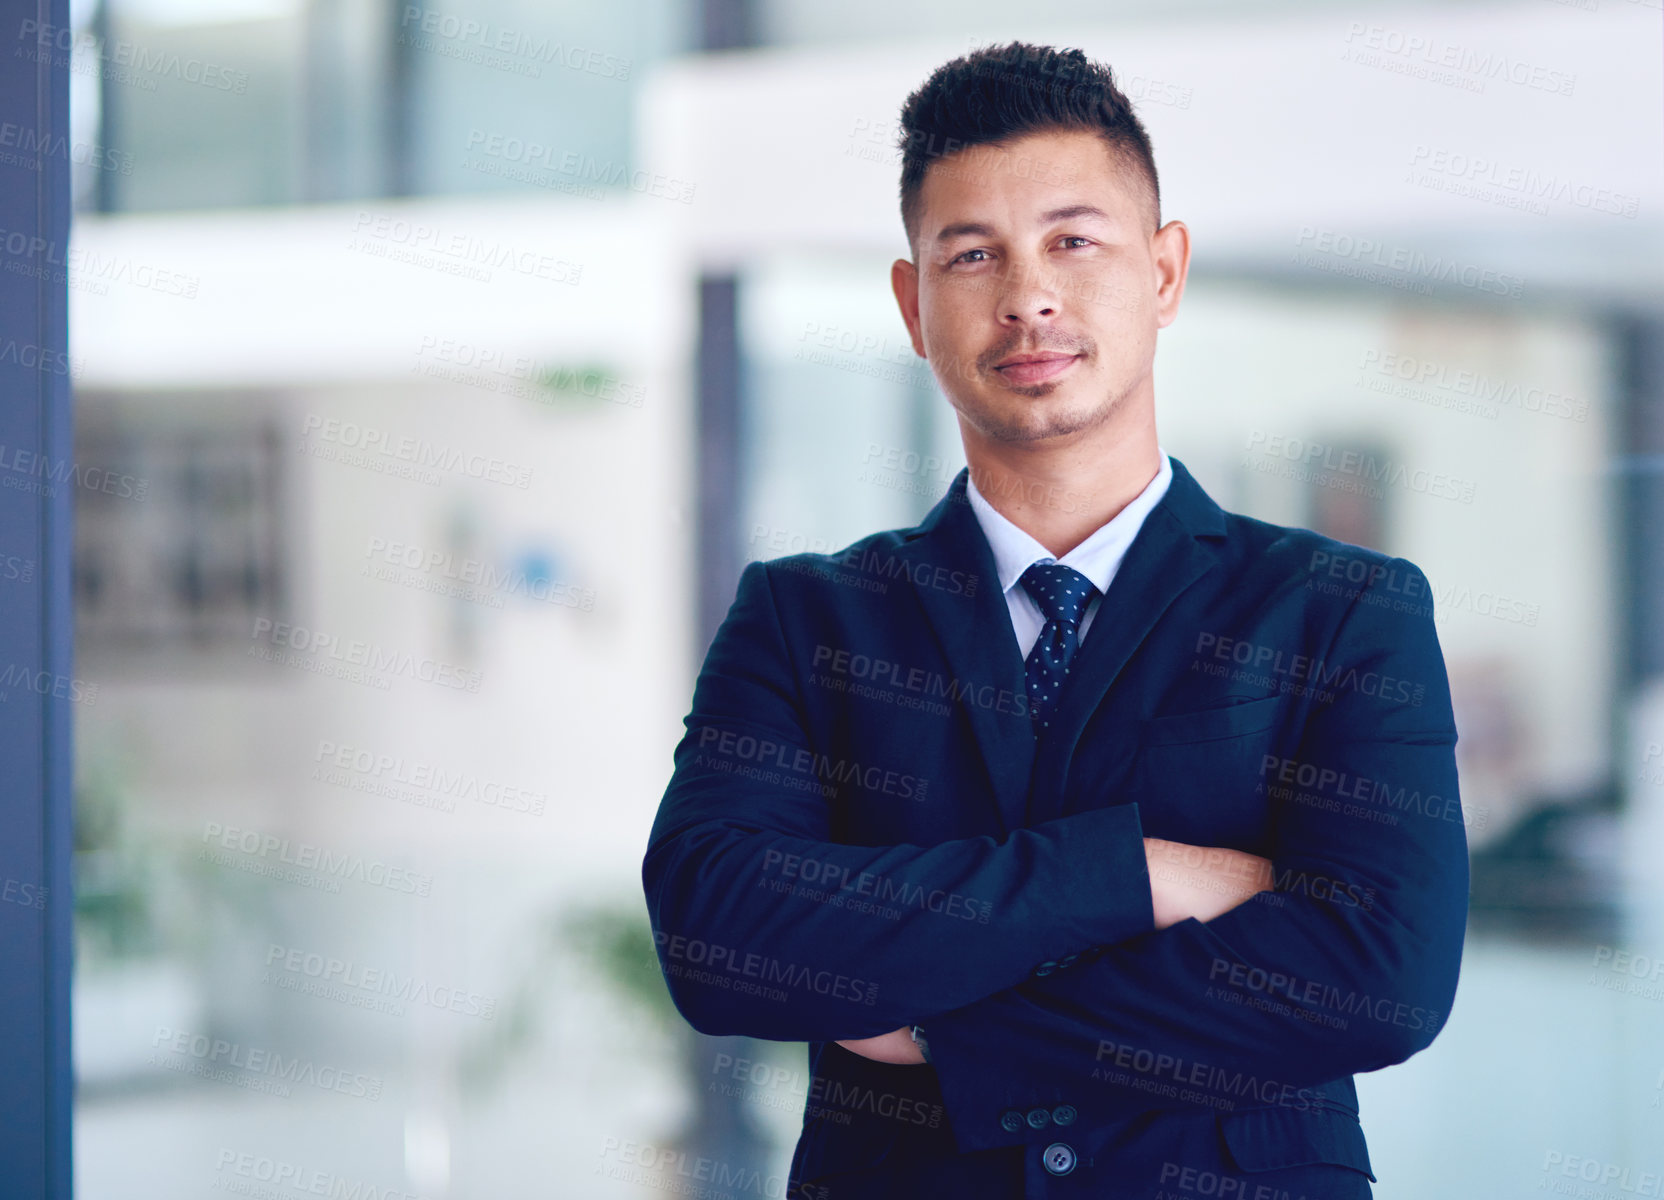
[1035,368]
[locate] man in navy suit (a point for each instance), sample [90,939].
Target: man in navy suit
[1093,837]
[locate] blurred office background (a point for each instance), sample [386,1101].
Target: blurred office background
[445,364]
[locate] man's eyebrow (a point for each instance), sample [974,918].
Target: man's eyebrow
[1070,212]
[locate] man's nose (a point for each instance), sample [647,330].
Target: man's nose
[1029,294]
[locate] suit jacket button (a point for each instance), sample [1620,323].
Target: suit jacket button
[1059,1158]
[1064,1114]
[1045,968]
[1011,1120]
[1038,1118]
[1068,960]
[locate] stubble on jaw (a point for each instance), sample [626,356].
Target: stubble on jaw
[1019,432]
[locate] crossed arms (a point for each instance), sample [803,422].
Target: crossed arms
[1083,882]
[1186,883]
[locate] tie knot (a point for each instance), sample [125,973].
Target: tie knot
[1061,592]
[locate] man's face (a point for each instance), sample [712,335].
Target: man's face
[1039,285]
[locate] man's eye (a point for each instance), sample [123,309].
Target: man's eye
[966,256]
[1075,237]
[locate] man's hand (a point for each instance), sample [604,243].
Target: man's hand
[1201,881]
[897,1047]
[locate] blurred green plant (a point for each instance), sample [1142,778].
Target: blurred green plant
[618,942]
[615,943]
[589,386]
[115,882]
[142,895]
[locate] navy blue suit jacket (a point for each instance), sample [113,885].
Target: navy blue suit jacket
[863,832]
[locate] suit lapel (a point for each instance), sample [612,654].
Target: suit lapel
[975,635]
[976,639]
[1166,557]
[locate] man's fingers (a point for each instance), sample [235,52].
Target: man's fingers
[897,1048]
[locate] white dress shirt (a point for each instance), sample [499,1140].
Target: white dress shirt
[1097,558]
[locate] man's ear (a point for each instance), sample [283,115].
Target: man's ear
[1171,244]
[904,282]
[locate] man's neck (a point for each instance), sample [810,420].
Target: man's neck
[1060,496]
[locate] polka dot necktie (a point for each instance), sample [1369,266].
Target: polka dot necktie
[1062,594]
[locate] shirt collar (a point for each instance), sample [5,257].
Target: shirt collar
[1097,558]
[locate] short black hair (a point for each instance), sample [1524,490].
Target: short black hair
[999,93]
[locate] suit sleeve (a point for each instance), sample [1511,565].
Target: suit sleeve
[1350,965]
[743,957]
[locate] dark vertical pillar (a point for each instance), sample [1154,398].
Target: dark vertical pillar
[723,25]
[727,24]
[721,1129]
[399,139]
[1640,457]
[719,466]
[36,676]
[105,182]
[322,129]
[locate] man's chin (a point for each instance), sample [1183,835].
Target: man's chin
[1017,424]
